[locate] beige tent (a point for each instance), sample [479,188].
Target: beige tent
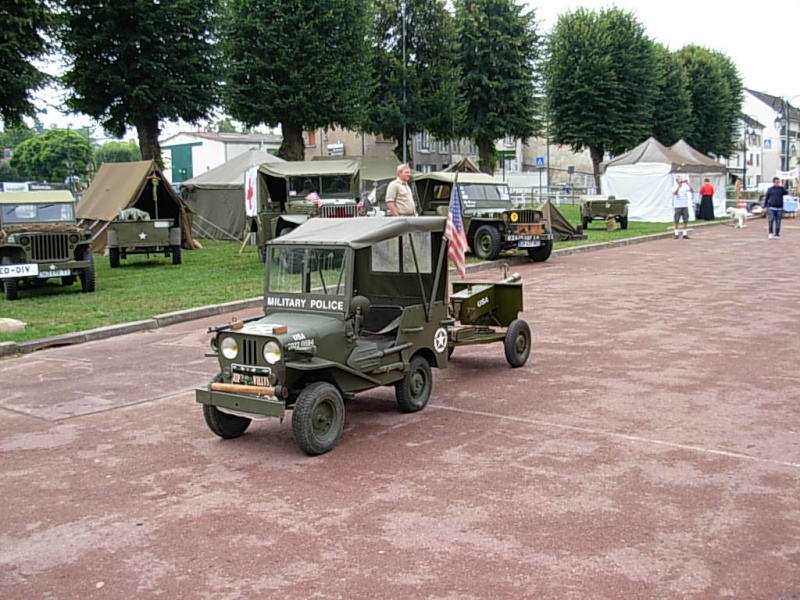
[117,186]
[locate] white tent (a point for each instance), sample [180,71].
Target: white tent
[646,176]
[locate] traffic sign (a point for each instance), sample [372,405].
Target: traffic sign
[540,162]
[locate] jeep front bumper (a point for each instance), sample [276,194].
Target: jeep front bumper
[261,405]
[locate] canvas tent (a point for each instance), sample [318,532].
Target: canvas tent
[117,186]
[646,175]
[217,196]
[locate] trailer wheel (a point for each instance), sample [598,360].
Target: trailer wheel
[585,223]
[542,253]
[113,257]
[176,255]
[414,390]
[486,244]
[318,418]
[623,222]
[224,425]
[517,343]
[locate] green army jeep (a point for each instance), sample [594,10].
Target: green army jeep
[135,232]
[291,193]
[367,308]
[40,240]
[490,219]
[601,208]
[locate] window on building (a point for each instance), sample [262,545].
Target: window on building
[423,142]
[509,141]
[444,147]
[312,138]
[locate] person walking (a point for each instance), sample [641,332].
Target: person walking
[681,194]
[399,200]
[706,212]
[773,202]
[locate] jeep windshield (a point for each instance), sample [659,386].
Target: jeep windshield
[17,214]
[323,185]
[306,278]
[480,195]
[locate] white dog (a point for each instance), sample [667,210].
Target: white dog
[739,216]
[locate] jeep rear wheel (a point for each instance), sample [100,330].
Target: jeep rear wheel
[542,253]
[486,244]
[113,257]
[87,275]
[176,255]
[517,343]
[224,425]
[10,286]
[318,418]
[414,390]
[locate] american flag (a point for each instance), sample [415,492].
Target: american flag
[314,199]
[454,234]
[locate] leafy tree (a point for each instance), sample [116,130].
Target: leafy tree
[303,65]
[52,156]
[23,40]
[417,89]
[602,81]
[498,56]
[7,172]
[133,63]
[116,152]
[717,94]
[672,115]
[12,137]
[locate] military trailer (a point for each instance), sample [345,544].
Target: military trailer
[490,219]
[40,240]
[602,208]
[290,193]
[368,308]
[135,232]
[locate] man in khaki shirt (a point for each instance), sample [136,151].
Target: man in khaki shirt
[399,200]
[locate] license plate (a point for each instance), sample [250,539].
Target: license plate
[54,273]
[26,270]
[529,244]
[247,375]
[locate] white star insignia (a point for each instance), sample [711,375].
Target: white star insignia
[143,236]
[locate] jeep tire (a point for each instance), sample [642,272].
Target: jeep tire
[585,223]
[486,243]
[87,275]
[113,257]
[318,418]
[10,286]
[414,390]
[517,343]
[541,253]
[176,255]
[224,425]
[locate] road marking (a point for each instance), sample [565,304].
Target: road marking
[624,436]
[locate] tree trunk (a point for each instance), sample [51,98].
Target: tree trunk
[596,152]
[148,130]
[293,148]
[486,154]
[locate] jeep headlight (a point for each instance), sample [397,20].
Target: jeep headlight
[229,348]
[272,352]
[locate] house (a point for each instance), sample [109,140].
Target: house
[780,133]
[187,155]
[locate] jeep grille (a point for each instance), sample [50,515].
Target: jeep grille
[528,216]
[50,247]
[249,352]
[338,211]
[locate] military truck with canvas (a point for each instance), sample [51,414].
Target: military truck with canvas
[490,219]
[40,240]
[367,308]
[290,193]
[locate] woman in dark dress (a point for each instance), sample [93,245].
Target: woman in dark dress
[706,201]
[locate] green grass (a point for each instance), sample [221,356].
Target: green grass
[142,288]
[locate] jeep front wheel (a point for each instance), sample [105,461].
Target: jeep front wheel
[414,390]
[517,343]
[486,243]
[9,285]
[224,425]
[87,275]
[541,253]
[318,418]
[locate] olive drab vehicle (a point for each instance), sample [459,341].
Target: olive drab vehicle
[136,232]
[362,305]
[290,193]
[490,219]
[601,208]
[40,240]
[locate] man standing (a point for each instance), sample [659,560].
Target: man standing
[680,202]
[774,205]
[399,200]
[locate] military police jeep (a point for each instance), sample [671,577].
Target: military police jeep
[367,308]
[490,219]
[135,232]
[40,240]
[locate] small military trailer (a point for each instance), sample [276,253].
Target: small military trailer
[40,240]
[290,193]
[134,231]
[602,208]
[490,219]
[367,308]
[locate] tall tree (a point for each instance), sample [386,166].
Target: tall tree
[23,41]
[116,151]
[52,156]
[133,63]
[414,61]
[498,55]
[672,115]
[302,64]
[717,94]
[602,81]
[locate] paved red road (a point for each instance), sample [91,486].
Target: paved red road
[650,449]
